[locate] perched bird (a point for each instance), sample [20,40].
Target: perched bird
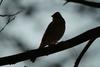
[54,31]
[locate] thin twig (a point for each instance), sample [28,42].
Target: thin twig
[1,2]
[9,20]
[83,52]
[12,14]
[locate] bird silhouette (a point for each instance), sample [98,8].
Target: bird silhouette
[54,31]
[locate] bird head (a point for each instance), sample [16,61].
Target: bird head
[58,17]
[57,14]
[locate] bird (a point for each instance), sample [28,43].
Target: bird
[54,31]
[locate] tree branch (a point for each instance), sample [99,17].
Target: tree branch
[11,14]
[9,19]
[83,52]
[93,33]
[84,2]
[1,2]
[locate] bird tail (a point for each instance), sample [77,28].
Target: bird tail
[33,59]
[42,45]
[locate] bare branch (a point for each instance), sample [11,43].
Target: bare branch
[11,14]
[84,2]
[93,33]
[9,20]
[1,2]
[83,52]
